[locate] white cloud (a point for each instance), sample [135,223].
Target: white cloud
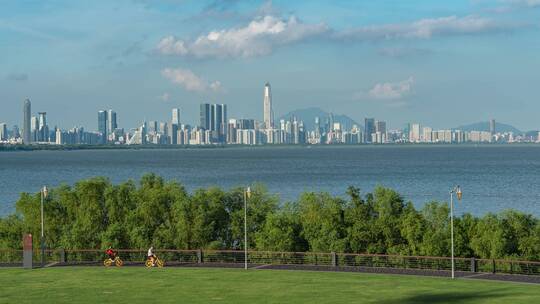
[189,81]
[424,28]
[392,90]
[263,34]
[259,37]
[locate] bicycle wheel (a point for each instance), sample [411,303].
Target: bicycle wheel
[160,263]
[119,262]
[107,262]
[148,263]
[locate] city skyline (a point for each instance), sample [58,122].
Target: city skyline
[215,127]
[440,63]
[207,119]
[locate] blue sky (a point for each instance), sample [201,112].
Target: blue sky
[440,63]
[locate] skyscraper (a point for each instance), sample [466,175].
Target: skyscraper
[214,119]
[102,126]
[219,122]
[175,124]
[43,134]
[268,111]
[3,131]
[27,116]
[34,129]
[205,116]
[175,116]
[111,120]
[380,126]
[492,126]
[369,128]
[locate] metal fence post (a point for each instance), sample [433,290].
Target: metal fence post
[62,253]
[199,256]
[473,265]
[334,259]
[493,266]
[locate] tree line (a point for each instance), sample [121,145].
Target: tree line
[95,213]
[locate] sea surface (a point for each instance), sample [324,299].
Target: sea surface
[493,178]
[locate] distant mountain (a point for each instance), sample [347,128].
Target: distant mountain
[308,116]
[484,126]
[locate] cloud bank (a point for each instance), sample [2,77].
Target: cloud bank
[264,34]
[189,81]
[425,29]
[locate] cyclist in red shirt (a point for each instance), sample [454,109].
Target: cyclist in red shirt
[111,253]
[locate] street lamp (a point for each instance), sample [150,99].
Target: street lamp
[247,195]
[457,191]
[44,194]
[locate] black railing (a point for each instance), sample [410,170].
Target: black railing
[62,257]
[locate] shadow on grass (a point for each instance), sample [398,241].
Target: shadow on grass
[448,297]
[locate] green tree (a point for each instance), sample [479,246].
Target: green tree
[436,240]
[281,232]
[259,205]
[323,222]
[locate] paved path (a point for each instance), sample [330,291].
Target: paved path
[533,279]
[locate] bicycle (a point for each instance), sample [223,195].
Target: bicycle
[157,262]
[117,261]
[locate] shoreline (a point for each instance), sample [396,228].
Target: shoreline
[43,147]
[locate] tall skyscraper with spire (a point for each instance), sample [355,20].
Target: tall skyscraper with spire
[27,116]
[268,111]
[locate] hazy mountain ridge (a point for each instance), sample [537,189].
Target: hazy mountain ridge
[308,116]
[484,126]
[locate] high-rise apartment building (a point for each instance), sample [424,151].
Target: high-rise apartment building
[414,135]
[102,126]
[27,116]
[427,134]
[369,128]
[267,104]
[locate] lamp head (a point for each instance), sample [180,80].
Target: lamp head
[45,191]
[248,192]
[458,192]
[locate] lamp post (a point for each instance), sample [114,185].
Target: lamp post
[44,193]
[247,194]
[457,191]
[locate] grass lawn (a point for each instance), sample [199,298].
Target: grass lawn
[208,285]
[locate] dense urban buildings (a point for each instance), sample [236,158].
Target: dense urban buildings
[215,128]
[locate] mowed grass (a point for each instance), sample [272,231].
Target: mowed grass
[210,285]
